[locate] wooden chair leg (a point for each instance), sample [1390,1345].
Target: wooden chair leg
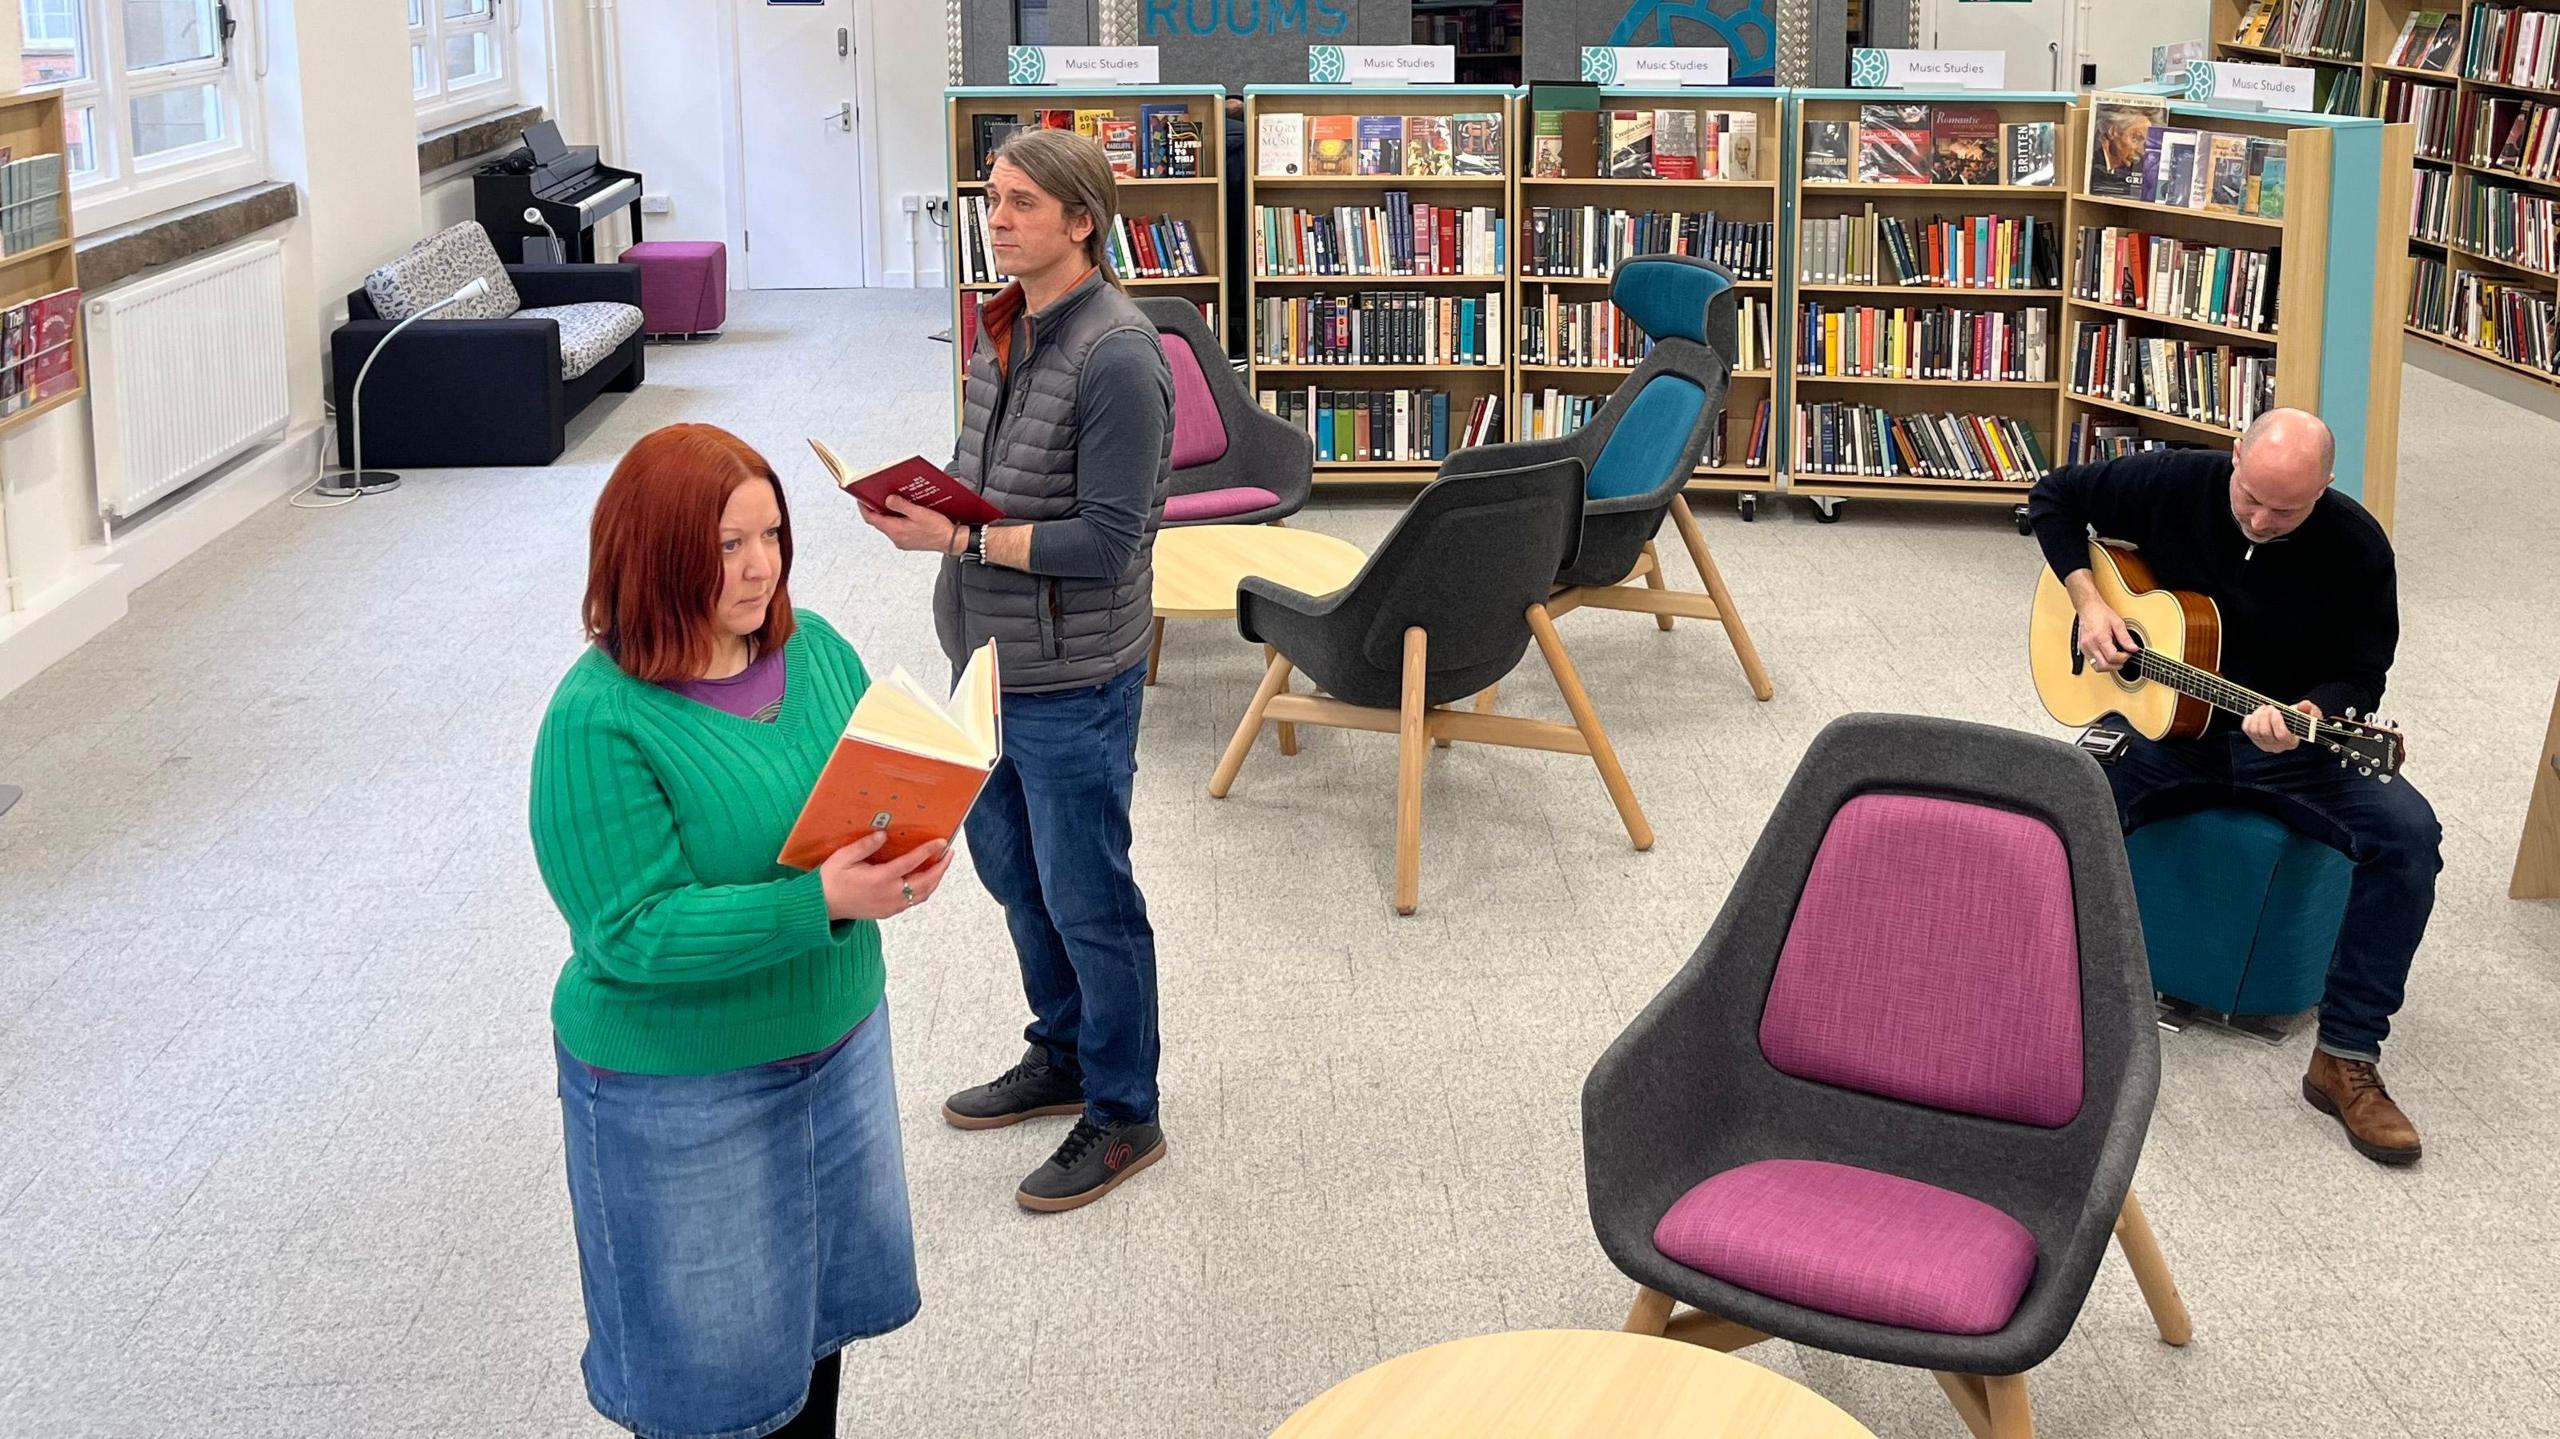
[1965,1392]
[1651,1314]
[1155,651]
[1653,580]
[2151,1271]
[1743,649]
[1288,731]
[1992,1407]
[1410,750]
[1274,680]
[1587,720]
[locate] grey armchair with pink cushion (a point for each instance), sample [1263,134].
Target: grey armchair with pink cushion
[1234,462]
[1892,1105]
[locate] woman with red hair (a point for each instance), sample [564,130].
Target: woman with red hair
[720,1029]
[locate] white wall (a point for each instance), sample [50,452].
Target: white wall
[907,43]
[2119,34]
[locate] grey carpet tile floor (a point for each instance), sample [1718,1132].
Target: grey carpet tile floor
[279,1150]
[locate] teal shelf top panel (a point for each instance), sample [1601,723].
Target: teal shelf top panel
[999,92]
[1685,92]
[1381,90]
[2298,119]
[1987,97]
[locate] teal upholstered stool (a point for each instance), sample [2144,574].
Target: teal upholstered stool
[2240,912]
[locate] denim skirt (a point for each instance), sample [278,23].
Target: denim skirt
[733,1230]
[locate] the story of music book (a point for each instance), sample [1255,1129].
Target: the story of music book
[908,763]
[915,479]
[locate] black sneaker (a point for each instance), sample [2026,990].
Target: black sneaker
[1089,1164]
[1028,1090]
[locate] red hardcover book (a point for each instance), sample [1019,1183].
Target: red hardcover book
[915,479]
[1449,261]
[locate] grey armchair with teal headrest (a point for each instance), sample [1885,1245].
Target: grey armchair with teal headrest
[1640,451]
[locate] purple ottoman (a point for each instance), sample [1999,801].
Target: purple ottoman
[684,285]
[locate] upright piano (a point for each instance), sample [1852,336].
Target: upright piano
[564,183]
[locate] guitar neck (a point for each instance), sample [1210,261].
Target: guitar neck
[2213,689]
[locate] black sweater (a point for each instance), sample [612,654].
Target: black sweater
[2315,615]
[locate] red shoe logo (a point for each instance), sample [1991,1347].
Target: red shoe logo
[1117,1157]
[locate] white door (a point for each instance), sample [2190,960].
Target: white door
[800,126]
[2035,34]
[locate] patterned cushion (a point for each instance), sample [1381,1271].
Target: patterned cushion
[1933,958]
[1217,504]
[1199,435]
[1855,1243]
[436,267]
[588,331]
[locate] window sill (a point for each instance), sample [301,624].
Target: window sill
[471,139]
[123,251]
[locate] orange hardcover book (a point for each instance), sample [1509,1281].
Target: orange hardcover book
[916,480]
[908,763]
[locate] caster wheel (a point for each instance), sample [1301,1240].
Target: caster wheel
[2020,515]
[1827,514]
[1749,505]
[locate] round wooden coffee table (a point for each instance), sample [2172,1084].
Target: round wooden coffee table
[1570,1384]
[1198,566]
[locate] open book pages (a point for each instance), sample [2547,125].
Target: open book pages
[964,729]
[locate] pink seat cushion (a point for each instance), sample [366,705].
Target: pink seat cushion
[1855,1243]
[1217,504]
[1933,958]
[1199,436]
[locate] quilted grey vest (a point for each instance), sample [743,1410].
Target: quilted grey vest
[1018,448]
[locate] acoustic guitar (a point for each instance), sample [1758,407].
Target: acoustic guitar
[2169,690]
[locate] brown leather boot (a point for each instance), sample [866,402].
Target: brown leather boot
[2351,1089]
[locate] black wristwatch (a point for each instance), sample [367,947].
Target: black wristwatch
[976,550]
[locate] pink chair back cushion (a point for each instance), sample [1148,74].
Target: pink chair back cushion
[1855,1243]
[1217,504]
[1199,436]
[1933,958]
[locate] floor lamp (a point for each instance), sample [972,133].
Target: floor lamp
[361,481]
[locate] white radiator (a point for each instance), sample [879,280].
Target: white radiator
[186,370]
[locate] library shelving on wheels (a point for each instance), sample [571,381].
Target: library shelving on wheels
[2223,262]
[1607,173]
[42,368]
[1169,147]
[1376,288]
[1925,262]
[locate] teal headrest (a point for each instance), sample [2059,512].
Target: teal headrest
[1668,295]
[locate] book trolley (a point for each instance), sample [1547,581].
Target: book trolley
[41,365]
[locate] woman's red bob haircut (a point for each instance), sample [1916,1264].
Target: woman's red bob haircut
[653,552]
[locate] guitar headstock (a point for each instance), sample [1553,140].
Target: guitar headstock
[2370,745]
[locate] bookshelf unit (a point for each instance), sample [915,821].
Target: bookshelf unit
[1757,201]
[2355,23]
[1196,200]
[31,125]
[1464,384]
[2030,402]
[2340,285]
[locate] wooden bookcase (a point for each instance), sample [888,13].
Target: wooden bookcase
[32,125]
[1197,200]
[1464,383]
[2438,264]
[2353,60]
[1753,201]
[2033,402]
[2341,286]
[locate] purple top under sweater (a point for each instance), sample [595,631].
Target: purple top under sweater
[753,693]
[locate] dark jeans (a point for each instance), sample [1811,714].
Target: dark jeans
[2389,830]
[1050,837]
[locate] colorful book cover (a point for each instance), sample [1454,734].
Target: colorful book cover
[1964,145]
[1475,144]
[1058,119]
[2151,163]
[1089,123]
[2227,178]
[1546,145]
[2030,151]
[1280,141]
[2439,53]
[1826,150]
[2179,161]
[2119,133]
[2271,184]
[1893,144]
[1333,144]
[1181,147]
[1152,122]
[1675,144]
[1381,140]
[1630,144]
[1120,145]
[909,762]
[1426,144]
[2256,162]
[991,133]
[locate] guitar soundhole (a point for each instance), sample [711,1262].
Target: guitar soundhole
[2126,682]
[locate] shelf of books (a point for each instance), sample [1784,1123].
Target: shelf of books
[2224,262]
[41,368]
[1378,285]
[1167,146]
[1924,336]
[2332,38]
[1607,174]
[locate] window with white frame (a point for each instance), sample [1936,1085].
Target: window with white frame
[157,111]
[459,59]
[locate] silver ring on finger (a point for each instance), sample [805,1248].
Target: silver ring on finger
[909,891]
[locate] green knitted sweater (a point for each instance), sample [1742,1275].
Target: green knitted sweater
[656,820]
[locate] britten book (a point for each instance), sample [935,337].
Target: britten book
[916,480]
[908,763]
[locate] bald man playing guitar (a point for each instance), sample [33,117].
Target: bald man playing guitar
[2308,595]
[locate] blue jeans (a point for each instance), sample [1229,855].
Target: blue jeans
[2389,830]
[1050,838]
[733,1230]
